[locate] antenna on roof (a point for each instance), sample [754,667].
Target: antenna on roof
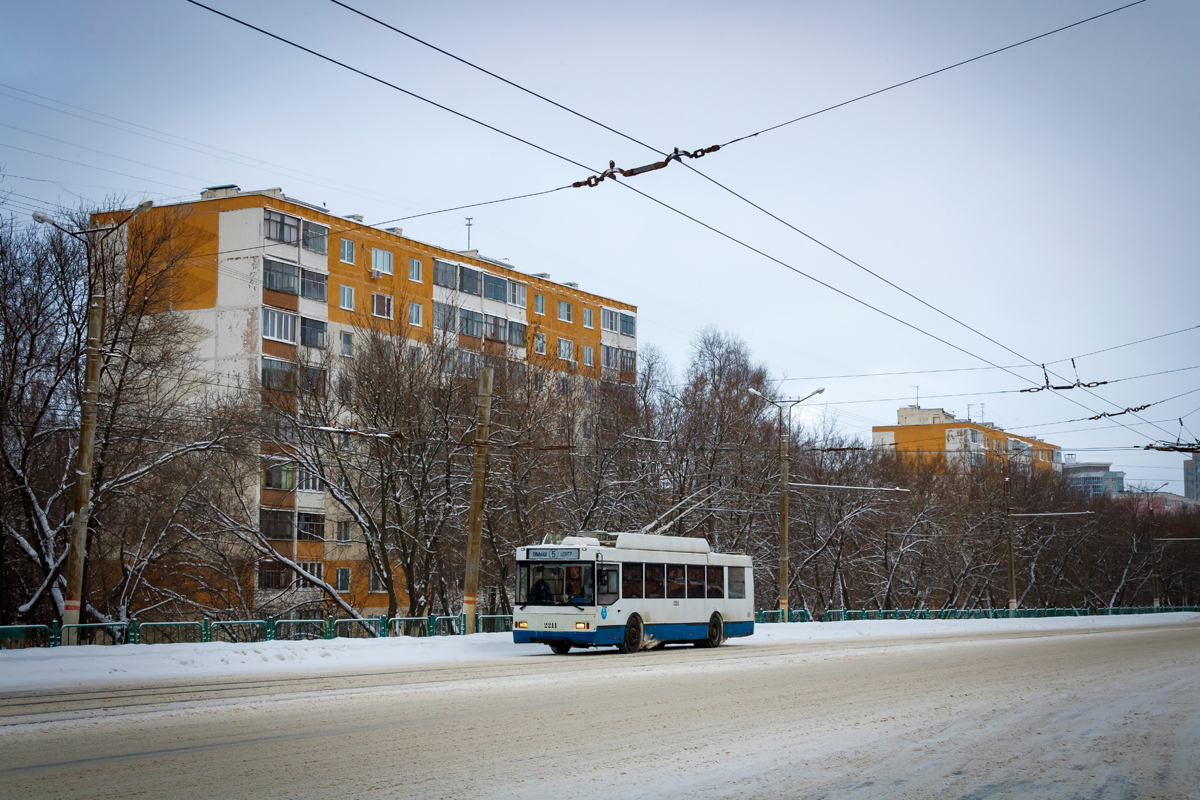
[469,232]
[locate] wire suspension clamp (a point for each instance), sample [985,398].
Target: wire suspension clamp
[613,170]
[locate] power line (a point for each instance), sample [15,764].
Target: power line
[662,203]
[812,114]
[101,169]
[610,173]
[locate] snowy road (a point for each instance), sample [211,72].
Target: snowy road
[1092,713]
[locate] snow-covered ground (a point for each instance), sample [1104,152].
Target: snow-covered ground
[43,667]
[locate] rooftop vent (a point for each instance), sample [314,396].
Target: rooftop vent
[355,217]
[572,285]
[397,231]
[543,275]
[213,192]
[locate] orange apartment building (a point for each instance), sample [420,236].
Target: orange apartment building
[941,440]
[274,276]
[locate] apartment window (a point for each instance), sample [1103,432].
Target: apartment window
[444,317]
[313,285]
[344,530]
[314,381]
[316,237]
[588,320]
[381,260]
[468,361]
[279,325]
[346,297]
[347,251]
[345,388]
[609,357]
[278,475]
[628,325]
[310,527]
[516,333]
[495,288]
[470,323]
[539,304]
[516,294]
[414,314]
[414,269]
[468,280]
[347,343]
[343,579]
[278,375]
[495,328]
[282,228]
[275,524]
[307,481]
[314,568]
[312,332]
[376,583]
[587,391]
[539,343]
[609,320]
[564,311]
[566,350]
[445,274]
[281,277]
[381,305]
[277,427]
[273,575]
[588,356]
[628,360]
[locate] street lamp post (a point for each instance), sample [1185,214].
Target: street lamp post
[81,507]
[783,493]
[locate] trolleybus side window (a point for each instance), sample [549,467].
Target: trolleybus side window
[737,583]
[676,581]
[631,580]
[655,586]
[695,581]
[608,584]
[716,583]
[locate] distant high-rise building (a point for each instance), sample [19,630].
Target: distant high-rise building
[937,437]
[1093,478]
[1190,489]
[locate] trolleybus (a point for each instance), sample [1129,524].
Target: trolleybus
[631,590]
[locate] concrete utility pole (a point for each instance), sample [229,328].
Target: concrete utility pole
[82,505]
[783,492]
[478,483]
[1012,566]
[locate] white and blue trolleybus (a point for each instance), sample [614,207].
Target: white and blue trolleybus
[631,590]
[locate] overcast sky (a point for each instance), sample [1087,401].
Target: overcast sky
[1046,196]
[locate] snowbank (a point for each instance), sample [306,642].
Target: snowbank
[62,666]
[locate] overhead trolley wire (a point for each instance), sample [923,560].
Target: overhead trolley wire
[655,200]
[611,172]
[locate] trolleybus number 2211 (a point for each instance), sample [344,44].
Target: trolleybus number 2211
[632,590]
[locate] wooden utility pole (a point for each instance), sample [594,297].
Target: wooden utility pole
[478,483]
[1012,567]
[783,515]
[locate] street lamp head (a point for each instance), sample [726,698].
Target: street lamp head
[145,205]
[820,391]
[42,219]
[752,390]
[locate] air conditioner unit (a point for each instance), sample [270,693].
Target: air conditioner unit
[376,274]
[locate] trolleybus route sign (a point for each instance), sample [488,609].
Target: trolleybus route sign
[552,553]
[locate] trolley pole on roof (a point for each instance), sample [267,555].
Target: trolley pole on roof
[478,482]
[783,492]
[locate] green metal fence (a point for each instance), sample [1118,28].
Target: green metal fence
[238,631]
[170,633]
[15,637]
[18,637]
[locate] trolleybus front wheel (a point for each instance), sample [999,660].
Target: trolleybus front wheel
[633,635]
[560,648]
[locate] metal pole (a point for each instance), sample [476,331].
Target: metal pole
[783,517]
[478,482]
[83,462]
[1012,569]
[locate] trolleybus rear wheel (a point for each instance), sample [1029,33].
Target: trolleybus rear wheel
[716,632]
[560,648]
[632,642]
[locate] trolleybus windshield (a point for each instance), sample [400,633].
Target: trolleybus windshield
[555,584]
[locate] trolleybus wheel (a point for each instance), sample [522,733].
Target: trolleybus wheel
[560,648]
[716,632]
[633,635]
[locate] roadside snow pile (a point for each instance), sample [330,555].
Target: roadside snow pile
[61,666]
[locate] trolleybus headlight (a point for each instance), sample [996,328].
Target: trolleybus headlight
[581,626]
